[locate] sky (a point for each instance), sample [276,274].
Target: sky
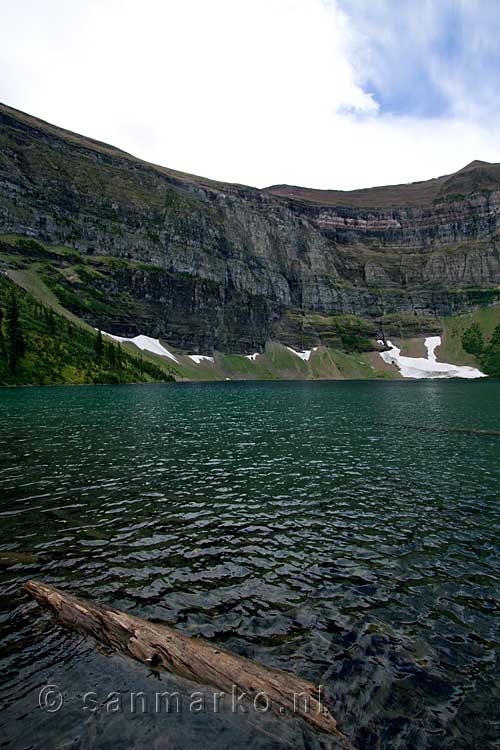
[322,93]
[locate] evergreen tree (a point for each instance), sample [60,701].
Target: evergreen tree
[111,352]
[99,346]
[14,334]
[495,337]
[472,340]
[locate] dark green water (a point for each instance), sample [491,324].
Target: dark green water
[311,526]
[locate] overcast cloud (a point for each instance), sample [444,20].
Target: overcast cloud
[323,93]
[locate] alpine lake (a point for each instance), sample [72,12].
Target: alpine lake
[344,531]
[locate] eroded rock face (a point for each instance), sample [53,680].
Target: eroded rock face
[209,265]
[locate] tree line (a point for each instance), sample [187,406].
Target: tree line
[12,343]
[487,353]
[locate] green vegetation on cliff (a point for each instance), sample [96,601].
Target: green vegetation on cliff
[79,291]
[348,333]
[488,355]
[40,347]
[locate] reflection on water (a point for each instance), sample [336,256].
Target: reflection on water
[303,525]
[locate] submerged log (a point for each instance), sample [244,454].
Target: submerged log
[162,647]
[7,559]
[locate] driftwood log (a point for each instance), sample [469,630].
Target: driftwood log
[162,647]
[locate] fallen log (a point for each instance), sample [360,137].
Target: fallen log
[162,647]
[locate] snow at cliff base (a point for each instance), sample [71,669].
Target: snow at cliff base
[197,358]
[146,343]
[418,367]
[303,355]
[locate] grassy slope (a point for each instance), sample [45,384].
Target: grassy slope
[29,280]
[279,363]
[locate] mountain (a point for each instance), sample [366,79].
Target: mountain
[134,248]
[485,177]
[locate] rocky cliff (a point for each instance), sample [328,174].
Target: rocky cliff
[210,266]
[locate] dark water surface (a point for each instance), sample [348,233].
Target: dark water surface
[310,526]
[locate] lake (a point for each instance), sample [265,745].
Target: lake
[345,531]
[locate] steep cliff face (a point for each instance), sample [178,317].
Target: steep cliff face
[208,265]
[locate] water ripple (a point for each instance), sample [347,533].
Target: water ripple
[283,520]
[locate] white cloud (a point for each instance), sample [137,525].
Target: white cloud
[256,92]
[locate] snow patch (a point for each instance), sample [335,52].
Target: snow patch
[200,357]
[418,367]
[146,343]
[303,355]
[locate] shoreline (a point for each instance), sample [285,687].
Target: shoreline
[394,381]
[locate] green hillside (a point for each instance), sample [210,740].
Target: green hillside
[38,346]
[486,321]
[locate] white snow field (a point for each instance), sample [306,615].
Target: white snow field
[146,343]
[418,367]
[199,358]
[303,355]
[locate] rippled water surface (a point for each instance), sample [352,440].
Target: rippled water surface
[344,531]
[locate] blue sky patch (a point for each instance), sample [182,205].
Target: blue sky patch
[426,59]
